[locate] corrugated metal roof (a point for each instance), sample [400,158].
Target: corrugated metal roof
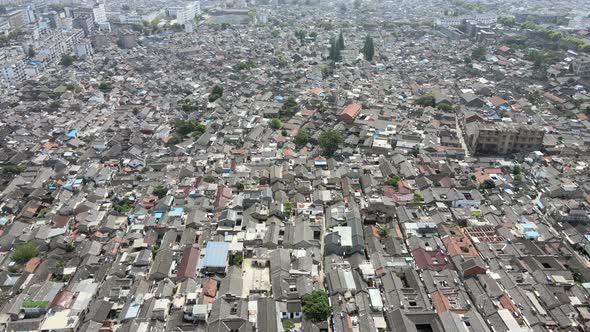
[216,254]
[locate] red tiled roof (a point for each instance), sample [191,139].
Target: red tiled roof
[188,263]
[351,110]
[32,264]
[210,287]
[63,299]
[497,101]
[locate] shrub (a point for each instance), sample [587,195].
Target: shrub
[24,252]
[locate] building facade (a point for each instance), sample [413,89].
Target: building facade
[501,138]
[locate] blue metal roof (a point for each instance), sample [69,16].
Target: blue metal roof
[72,132]
[216,254]
[132,311]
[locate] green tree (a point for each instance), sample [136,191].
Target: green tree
[487,184]
[368,48]
[290,107]
[123,207]
[343,8]
[210,179]
[237,260]
[335,55]
[393,181]
[330,141]
[66,60]
[316,305]
[340,42]
[382,230]
[216,93]
[55,104]
[516,170]
[14,169]
[357,4]
[282,60]
[288,207]
[445,106]
[418,196]
[276,124]
[288,325]
[245,64]
[31,53]
[327,71]
[300,34]
[479,53]
[509,21]
[275,33]
[302,138]
[24,252]
[105,87]
[190,126]
[425,100]
[160,191]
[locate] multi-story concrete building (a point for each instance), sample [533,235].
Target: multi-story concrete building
[127,39]
[581,66]
[99,14]
[459,20]
[185,13]
[16,18]
[83,49]
[502,138]
[51,46]
[12,70]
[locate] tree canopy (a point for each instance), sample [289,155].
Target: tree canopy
[368,49]
[334,51]
[316,306]
[393,181]
[185,127]
[290,107]
[160,191]
[276,124]
[216,93]
[340,43]
[301,138]
[487,184]
[479,53]
[507,20]
[24,252]
[425,100]
[330,141]
[66,60]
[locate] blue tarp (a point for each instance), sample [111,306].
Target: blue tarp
[216,254]
[540,204]
[72,132]
[279,97]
